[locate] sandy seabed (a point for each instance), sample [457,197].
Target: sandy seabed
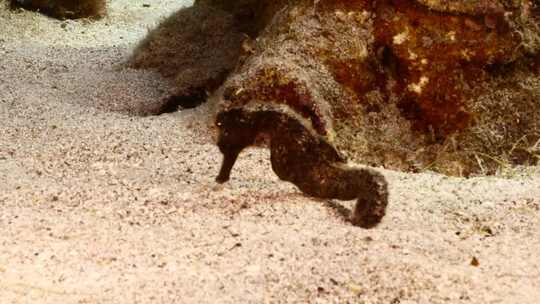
[101,205]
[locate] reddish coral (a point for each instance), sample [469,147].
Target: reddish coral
[441,59]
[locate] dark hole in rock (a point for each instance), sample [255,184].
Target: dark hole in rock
[178,102]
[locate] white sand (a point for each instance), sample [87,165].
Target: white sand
[101,206]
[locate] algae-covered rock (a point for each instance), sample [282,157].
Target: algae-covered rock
[450,86]
[410,85]
[197,58]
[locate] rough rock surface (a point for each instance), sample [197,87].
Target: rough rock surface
[405,84]
[196,59]
[449,86]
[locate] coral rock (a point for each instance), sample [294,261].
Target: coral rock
[445,85]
